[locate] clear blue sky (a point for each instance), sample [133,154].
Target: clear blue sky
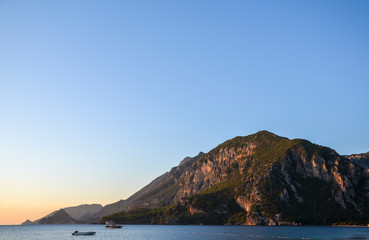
[97,98]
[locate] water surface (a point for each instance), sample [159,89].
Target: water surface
[158,232]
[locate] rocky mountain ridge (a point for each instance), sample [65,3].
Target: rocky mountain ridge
[71,215]
[56,217]
[260,179]
[274,181]
[362,159]
[153,194]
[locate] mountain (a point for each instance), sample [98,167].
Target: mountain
[70,215]
[84,213]
[160,192]
[27,222]
[146,197]
[58,217]
[362,159]
[260,179]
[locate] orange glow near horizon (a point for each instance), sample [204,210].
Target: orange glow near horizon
[12,214]
[15,213]
[26,200]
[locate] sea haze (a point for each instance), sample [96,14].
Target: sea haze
[165,232]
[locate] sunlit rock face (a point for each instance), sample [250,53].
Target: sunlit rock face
[260,179]
[271,180]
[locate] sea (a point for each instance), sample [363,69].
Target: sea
[165,232]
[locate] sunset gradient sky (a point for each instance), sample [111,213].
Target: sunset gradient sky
[97,98]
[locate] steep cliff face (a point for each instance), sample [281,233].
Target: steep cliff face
[279,181]
[263,179]
[260,179]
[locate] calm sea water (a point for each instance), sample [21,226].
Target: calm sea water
[154,232]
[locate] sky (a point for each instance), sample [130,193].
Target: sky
[98,98]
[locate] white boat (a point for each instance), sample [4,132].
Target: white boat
[78,233]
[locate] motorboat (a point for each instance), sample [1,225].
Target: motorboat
[78,233]
[111,224]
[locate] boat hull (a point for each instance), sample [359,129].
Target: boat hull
[83,233]
[113,226]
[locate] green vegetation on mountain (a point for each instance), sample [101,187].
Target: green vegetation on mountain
[144,215]
[213,208]
[260,179]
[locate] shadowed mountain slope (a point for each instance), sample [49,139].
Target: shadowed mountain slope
[70,215]
[260,179]
[58,217]
[361,159]
[160,192]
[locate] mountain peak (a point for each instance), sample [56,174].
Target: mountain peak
[27,222]
[258,138]
[259,179]
[264,132]
[187,160]
[265,135]
[59,217]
